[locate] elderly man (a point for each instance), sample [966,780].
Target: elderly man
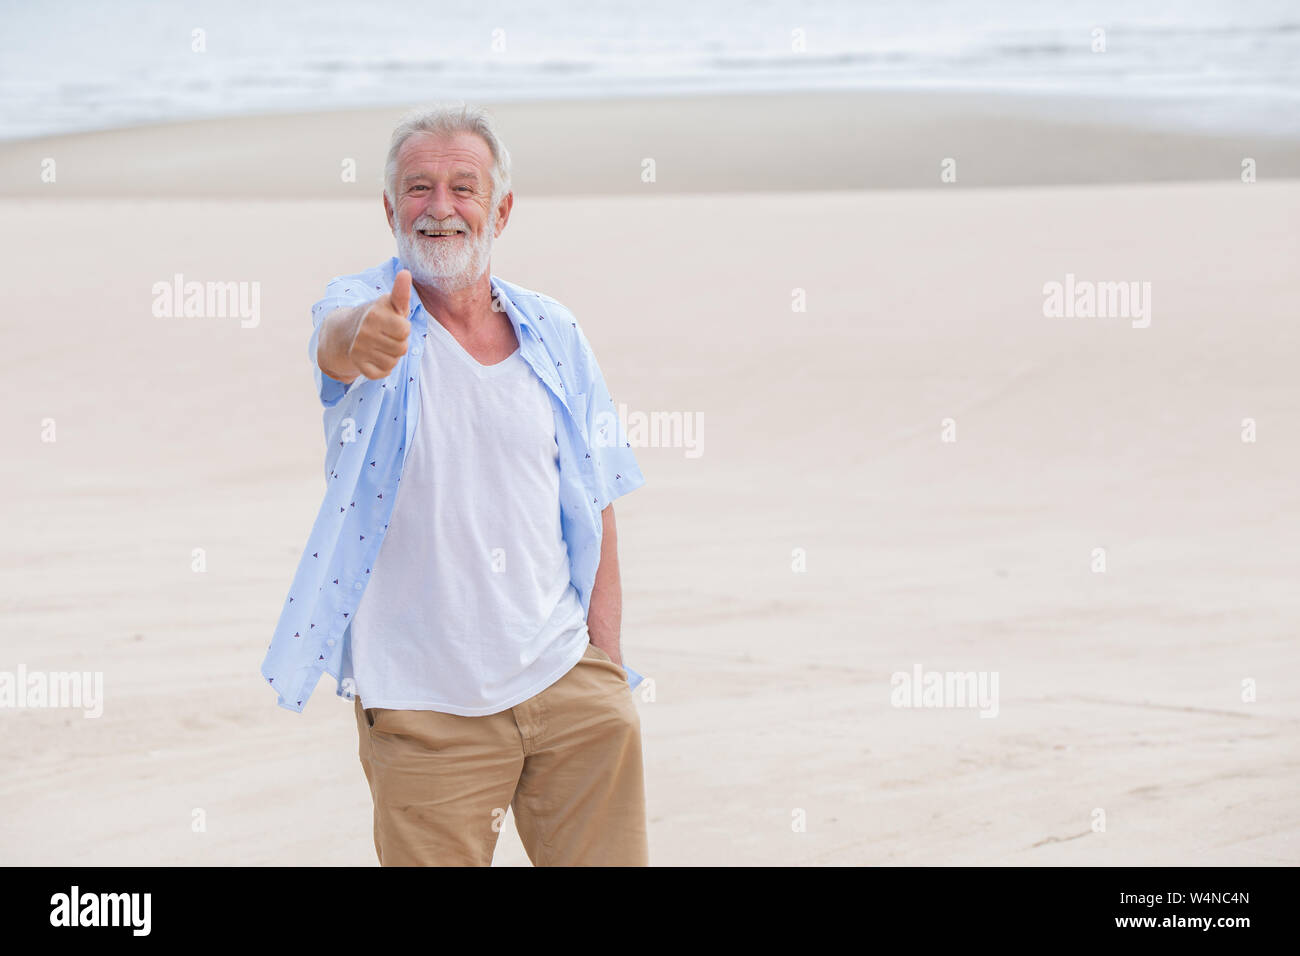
[461,580]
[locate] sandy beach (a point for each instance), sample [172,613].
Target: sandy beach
[775,142]
[821,445]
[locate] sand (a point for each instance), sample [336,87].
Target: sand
[699,144]
[1119,691]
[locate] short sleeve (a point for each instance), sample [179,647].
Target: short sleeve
[341,293]
[616,468]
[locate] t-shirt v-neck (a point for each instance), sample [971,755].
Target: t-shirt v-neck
[442,334]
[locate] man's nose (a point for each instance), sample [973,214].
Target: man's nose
[440,204]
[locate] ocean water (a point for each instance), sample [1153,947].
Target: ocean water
[74,65]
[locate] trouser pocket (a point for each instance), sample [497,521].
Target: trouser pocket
[367,714]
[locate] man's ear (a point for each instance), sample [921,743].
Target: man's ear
[503,212]
[388,211]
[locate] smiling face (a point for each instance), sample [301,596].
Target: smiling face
[444,219]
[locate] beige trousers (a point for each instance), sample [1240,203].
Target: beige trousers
[567,760]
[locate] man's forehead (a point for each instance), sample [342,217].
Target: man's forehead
[435,150]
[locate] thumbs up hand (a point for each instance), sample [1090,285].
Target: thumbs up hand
[382,334]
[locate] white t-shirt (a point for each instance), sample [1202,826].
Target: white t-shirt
[470,609]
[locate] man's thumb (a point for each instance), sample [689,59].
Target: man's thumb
[400,297]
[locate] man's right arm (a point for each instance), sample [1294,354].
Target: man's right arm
[334,344]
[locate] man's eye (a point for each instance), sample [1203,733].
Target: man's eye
[466,188]
[415,188]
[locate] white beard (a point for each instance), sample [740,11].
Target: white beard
[447,266]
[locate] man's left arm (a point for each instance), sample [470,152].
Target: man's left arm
[605,614]
[616,473]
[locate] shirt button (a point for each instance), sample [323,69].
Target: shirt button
[415,350]
[330,642]
[357,586]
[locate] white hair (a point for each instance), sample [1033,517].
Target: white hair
[448,120]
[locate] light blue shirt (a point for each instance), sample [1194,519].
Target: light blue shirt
[368,428]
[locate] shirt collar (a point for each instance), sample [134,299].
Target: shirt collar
[518,317]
